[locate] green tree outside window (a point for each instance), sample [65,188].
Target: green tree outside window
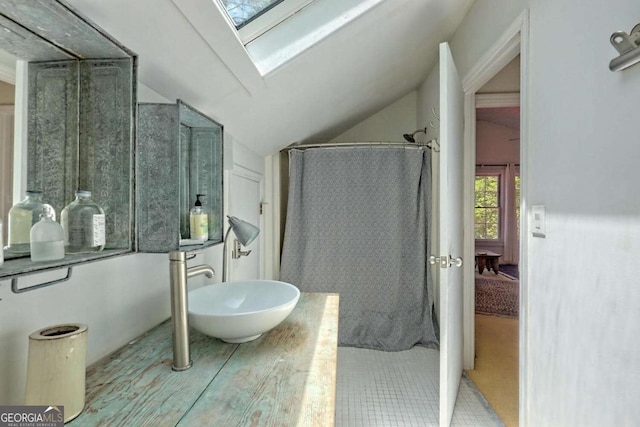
[487,207]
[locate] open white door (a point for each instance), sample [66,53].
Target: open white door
[451,233]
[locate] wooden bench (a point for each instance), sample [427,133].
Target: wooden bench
[488,260]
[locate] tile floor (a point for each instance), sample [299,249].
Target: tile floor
[400,389]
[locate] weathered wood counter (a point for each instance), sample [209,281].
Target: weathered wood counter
[287,377]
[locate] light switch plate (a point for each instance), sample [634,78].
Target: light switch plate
[538,219]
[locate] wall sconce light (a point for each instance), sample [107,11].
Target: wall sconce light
[628,46]
[245,233]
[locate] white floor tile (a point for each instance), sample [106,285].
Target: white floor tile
[400,389]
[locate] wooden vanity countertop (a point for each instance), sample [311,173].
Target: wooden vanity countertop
[287,377]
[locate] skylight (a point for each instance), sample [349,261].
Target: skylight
[311,24]
[242,12]
[252,18]
[265,34]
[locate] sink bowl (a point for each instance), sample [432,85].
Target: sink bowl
[241,311]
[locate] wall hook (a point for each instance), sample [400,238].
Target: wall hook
[628,46]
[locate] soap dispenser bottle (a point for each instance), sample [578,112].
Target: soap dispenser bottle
[199,221]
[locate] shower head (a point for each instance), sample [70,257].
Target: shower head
[410,136]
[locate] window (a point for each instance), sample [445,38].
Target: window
[242,12]
[253,18]
[487,207]
[270,32]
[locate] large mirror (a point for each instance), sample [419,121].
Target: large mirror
[71,124]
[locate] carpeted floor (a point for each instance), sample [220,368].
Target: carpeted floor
[497,295]
[510,270]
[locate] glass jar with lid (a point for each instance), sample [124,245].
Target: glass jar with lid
[22,216]
[83,222]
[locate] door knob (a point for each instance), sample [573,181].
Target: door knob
[455,262]
[445,261]
[438,259]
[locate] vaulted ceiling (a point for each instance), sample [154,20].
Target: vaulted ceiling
[357,70]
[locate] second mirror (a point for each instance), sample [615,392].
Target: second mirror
[178,178]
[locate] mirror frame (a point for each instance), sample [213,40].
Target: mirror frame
[179,153]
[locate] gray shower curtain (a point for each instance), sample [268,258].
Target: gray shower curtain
[357,224]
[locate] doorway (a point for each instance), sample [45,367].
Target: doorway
[512,43]
[496,233]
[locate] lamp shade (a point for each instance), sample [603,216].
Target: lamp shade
[245,232]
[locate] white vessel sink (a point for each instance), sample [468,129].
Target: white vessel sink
[241,311]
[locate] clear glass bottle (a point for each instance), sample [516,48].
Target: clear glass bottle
[47,238]
[22,216]
[83,222]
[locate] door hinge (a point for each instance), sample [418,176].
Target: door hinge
[262,207]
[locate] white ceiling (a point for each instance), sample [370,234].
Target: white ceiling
[376,59]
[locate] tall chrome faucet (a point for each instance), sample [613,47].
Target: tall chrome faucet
[179,273]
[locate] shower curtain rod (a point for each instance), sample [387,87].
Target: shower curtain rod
[428,144]
[497,165]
